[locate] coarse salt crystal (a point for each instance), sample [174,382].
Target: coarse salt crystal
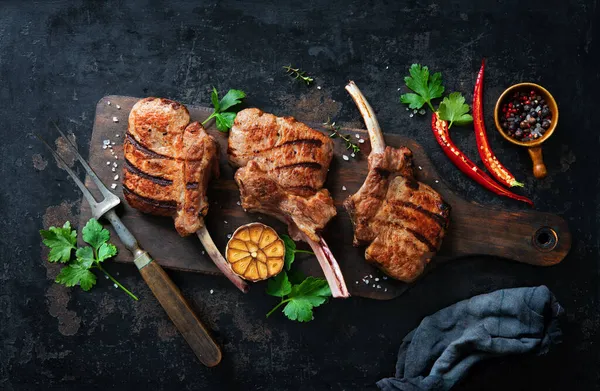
[118,107]
[115,119]
[385,290]
[116,157]
[361,141]
[109,146]
[228,236]
[352,154]
[238,203]
[113,186]
[116,177]
[378,286]
[114,164]
[104,147]
[357,135]
[411,115]
[376,279]
[420,168]
[385,277]
[108,163]
[203,252]
[366,282]
[115,285]
[117,135]
[387,67]
[370,276]
[108,103]
[106,142]
[345,157]
[113,169]
[318,87]
[373,285]
[356,282]
[106,277]
[225,221]
[436,181]
[344,188]
[212,291]
[113,143]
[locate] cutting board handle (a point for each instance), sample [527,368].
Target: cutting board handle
[182,315]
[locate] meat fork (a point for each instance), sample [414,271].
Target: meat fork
[167,293]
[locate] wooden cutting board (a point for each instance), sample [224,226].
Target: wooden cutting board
[525,236]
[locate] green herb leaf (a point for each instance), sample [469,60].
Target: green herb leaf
[290,251]
[76,274]
[94,234]
[311,293]
[296,276]
[60,241]
[85,257]
[232,98]
[225,121]
[106,251]
[423,85]
[454,110]
[413,101]
[214,97]
[279,286]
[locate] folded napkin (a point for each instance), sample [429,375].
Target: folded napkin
[438,353]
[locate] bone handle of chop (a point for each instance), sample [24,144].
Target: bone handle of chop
[377,141]
[217,258]
[331,269]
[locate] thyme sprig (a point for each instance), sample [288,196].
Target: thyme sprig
[296,73]
[335,133]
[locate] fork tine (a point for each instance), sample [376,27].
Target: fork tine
[89,197]
[105,192]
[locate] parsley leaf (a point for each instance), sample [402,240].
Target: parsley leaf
[78,271]
[61,241]
[299,294]
[454,110]
[279,286]
[425,87]
[224,119]
[232,98]
[94,234]
[76,274]
[291,251]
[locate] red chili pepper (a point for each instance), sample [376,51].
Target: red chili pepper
[490,161]
[460,160]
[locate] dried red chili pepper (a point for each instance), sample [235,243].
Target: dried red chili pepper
[460,160]
[490,161]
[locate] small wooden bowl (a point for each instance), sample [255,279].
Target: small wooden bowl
[534,146]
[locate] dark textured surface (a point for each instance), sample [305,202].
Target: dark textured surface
[58,58]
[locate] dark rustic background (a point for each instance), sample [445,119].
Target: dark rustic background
[58,58]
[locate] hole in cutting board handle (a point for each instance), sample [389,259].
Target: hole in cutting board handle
[545,239]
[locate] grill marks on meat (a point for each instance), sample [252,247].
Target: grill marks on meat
[168,163]
[402,221]
[283,168]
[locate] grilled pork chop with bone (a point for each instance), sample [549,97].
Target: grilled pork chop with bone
[168,164]
[284,165]
[403,221]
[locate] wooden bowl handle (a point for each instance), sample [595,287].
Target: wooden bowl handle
[539,168]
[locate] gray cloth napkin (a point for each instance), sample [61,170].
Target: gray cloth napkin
[438,353]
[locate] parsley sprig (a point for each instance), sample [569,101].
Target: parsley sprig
[62,242]
[428,87]
[298,74]
[335,133]
[223,118]
[299,298]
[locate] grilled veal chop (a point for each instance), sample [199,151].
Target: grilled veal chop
[402,220]
[168,164]
[284,164]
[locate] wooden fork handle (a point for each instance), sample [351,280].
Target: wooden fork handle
[182,315]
